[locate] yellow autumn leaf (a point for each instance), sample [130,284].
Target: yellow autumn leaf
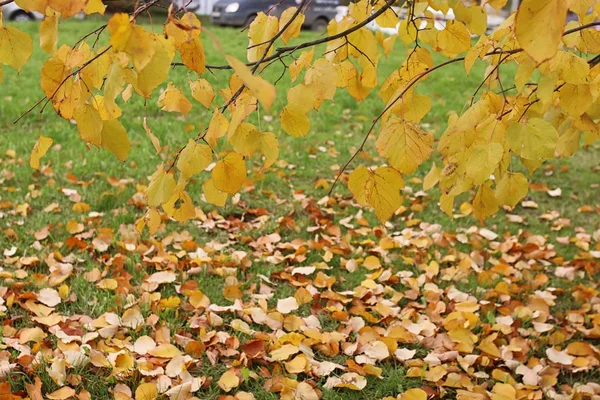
[321,78]
[161,188]
[264,91]
[300,63]
[115,139]
[15,47]
[245,139]
[165,350]
[180,206]
[269,147]
[184,29]
[294,122]
[261,31]
[432,177]
[153,139]
[230,173]
[39,150]
[157,70]
[217,128]
[173,100]
[293,30]
[485,203]
[379,188]
[483,160]
[575,99]
[453,39]
[194,158]
[131,39]
[89,124]
[192,55]
[539,26]
[214,195]
[95,7]
[512,188]
[535,140]
[404,145]
[49,34]
[228,381]
[202,92]
[146,391]
[414,394]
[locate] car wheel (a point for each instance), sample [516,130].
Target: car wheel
[320,25]
[21,16]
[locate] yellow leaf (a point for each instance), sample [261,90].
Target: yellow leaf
[157,70]
[404,145]
[202,92]
[15,47]
[379,189]
[214,195]
[113,86]
[447,203]
[228,381]
[293,30]
[41,147]
[261,30]
[572,68]
[115,139]
[454,39]
[497,4]
[504,391]
[269,146]
[217,127]
[62,394]
[230,173]
[483,160]
[68,8]
[300,63]
[146,391]
[180,206]
[535,140]
[568,142]
[194,158]
[152,137]
[89,124]
[94,7]
[512,188]
[95,72]
[322,79]
[165,350]
[264,91]
[161,187]
[540,25]
[575,99]
[414,394]
[183,30]
[192,55]
[131,39]
[432,177]
[245,140]
[294,122]
[173,100]
[49,34]
[485,202]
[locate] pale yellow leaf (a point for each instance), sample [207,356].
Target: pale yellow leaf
[229,174]
[39,150]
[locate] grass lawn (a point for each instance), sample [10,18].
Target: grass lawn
[248,249]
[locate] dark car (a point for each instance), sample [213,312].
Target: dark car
[243,12]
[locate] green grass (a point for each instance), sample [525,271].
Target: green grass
[339,125]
